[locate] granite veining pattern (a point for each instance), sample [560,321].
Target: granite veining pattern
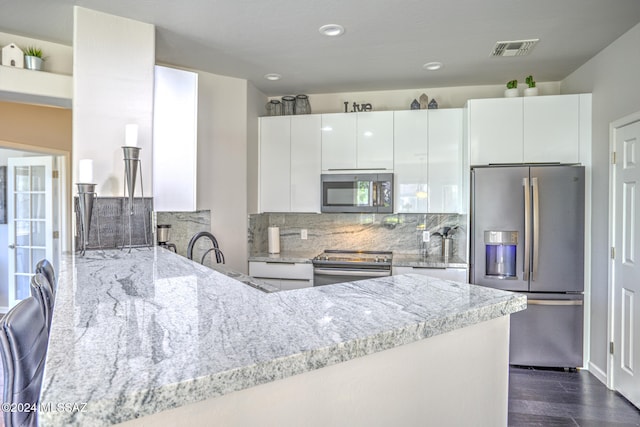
[137,333]
[399,233]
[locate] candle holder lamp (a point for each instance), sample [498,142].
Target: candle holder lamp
[86,195]
[131,167]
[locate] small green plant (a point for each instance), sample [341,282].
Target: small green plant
[529,80]
[513,84]
[33,51]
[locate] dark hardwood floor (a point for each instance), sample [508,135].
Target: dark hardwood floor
[557,398]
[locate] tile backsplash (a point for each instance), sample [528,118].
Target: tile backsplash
[184,225]
[400,233]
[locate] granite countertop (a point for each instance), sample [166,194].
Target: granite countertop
[399,259]
[141,332]
[415,260]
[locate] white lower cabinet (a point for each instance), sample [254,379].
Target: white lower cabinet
[283,275]
[455,274]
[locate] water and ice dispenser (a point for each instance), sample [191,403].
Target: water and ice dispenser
[500,251]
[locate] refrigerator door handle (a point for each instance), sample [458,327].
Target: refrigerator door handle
[536,227]
[554,302]
[527,229]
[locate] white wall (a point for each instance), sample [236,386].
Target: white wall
[386,100]
[256,101]
[611,77]
[114,61]
[225,124]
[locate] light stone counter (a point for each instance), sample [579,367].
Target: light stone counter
[431,261]
[137,333]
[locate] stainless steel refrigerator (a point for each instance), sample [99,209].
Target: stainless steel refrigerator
[527,235]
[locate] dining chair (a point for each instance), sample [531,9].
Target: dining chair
[45,267]
[23,346]
[42,291]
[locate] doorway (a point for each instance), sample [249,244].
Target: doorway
[624,271]
[38,219]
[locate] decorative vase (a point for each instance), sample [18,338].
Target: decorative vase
[511,93]
[32,63]
[531,91]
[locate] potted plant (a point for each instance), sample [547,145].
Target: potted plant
[512,89]
[532,90]
[33,58]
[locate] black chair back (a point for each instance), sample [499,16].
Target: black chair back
[41,290]
[45,267]
[23,346]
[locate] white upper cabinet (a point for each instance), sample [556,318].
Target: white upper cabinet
[357,141]
[375,140]
[305,163]
[539,129]
[275,164]
[495,130]
[339,141]
[445,160]
[290,163]
[551,129]
[428,160]
[410,161]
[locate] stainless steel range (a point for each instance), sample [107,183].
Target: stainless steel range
[338,266]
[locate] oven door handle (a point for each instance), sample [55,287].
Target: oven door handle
[347,272]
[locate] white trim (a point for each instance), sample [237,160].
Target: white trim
[613,126]
[586,159]
[598,373]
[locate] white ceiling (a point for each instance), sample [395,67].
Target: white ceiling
[384,47]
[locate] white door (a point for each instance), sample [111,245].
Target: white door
[30,220]
[626,268]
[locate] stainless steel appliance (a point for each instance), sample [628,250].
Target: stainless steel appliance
[367,192]
[336,266]
[528,236]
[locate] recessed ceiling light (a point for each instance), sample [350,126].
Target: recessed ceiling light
[331,30]
[432,66]
[272,76]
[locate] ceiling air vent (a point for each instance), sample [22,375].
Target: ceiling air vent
[514,48]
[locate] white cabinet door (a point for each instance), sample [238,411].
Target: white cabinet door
[410,132]
[275,158]
[305,163]
[375,140]
[338,141]
[495,130]
[445,160]
[551,129]
[283,275]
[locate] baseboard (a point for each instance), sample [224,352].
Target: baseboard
[598,373]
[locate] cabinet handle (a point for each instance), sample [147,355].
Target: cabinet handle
[280,262]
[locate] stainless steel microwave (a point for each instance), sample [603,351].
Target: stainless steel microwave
[367,192]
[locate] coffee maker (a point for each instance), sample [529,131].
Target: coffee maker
[163,237]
